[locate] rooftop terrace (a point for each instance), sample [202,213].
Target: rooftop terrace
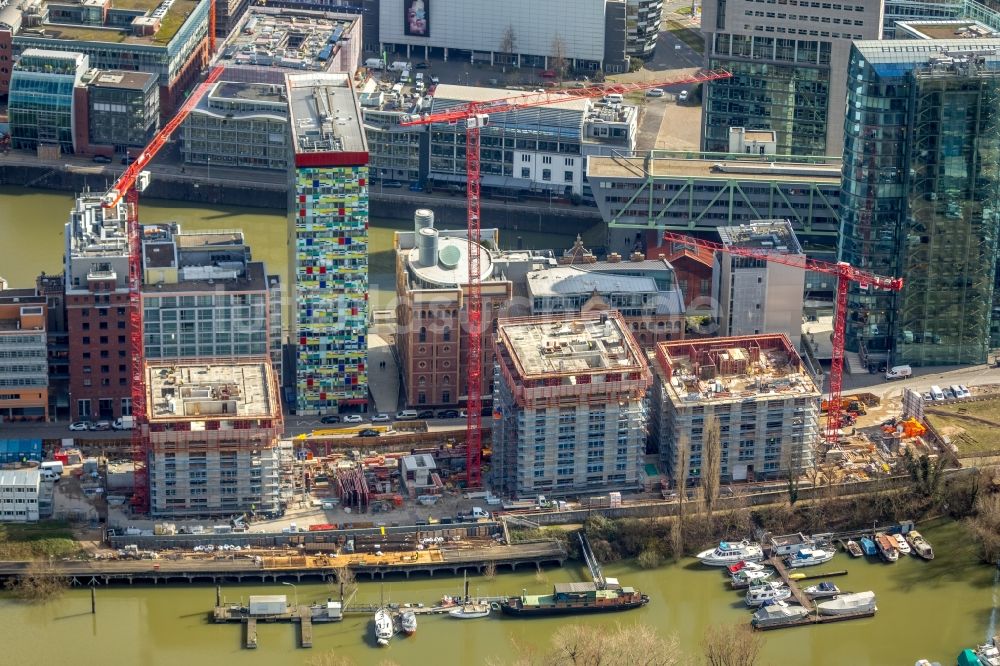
[189,391]
[720,370]
[170,15]
[291,40]
[723,169]
[776,235]
[944,29]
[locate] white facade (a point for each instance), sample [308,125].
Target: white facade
[549,170]
[479,25]
[19,495]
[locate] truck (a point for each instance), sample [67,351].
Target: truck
[53,465]
[124,423]
[477,513]
[399,66]
[899,372]
[375,63]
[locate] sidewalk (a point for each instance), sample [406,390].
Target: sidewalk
[382,381]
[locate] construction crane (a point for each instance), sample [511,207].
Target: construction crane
[128,186]
[845,274]
[476,116]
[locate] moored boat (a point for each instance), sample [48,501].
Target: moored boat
[853,549]
[920,545]
[868,547]
[848,604]
[747,577]
[777,614]
[823,590]
[384,628]
[470,611]
[904,548]
[887,547]
[574,598]
[808,557]
[408,622]
[743,565]
[731,552]
[761,594]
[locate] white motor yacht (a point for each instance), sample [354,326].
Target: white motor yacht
[848,604]
[777,614]
[384,629]
[773,591]
[809,557]
[731,552]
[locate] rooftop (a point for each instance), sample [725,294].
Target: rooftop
[118,79]
[325,114]
[575,345]
[190,391]
[720,370]
[199,261]
[583,279]
[725,169]
[288,39]
[776,235]
[96,231]
[944,29]
[170,15]
[19,477]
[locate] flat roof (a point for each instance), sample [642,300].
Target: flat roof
[325,114]
[288,39]
[118,79]
[734,369]
[192,391]
[589,344]
[660,167]
[944,29]
[449,92]
[175,15]
[252,278]
[451,262]
[768,235]
[256,92]
[20,477]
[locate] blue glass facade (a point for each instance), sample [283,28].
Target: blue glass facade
[40,102]
[920,195]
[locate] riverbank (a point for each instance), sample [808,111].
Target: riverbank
[271,194]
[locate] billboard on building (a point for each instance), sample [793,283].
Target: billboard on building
[417,18]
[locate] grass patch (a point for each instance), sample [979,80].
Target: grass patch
[969,435]
[683,11]
[50,538]
[686,35]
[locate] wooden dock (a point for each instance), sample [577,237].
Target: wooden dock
[305,627]
[251,639]
[778,563]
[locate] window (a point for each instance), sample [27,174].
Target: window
[525,158]
[569,161]
[446,334]
[525,172]
[423,334]
[546,174]
[546,159]
[568,176]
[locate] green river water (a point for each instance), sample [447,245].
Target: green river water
[926,609]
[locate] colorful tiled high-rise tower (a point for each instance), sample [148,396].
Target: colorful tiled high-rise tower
[328,244]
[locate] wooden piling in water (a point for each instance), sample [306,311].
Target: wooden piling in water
[93,600]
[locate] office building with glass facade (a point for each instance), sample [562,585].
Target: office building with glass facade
[920,196]
[328,220]
[789,63]
[43,98]
[123,109]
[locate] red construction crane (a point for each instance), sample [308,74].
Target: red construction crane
[131,182]
[845,274]
[476,115]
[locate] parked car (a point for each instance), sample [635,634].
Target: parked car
[76,426]
[425,414]
[406,415]
[128,159]
[949,394]
[330,418]
[369,432]
[655,92]
[391,183]
[435,80]
[381,418]
[682,96]
[353,418]
[966,393]
[101,425]
[421,65]
[547,74]
[448,414]
[101,159]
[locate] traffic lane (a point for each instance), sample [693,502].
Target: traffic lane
[672,53]
[923,379]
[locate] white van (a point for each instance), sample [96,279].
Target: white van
[54,465]
[899,372]
[406,415]
[614,98]
[49,475]
[375,63]
[399,66]
[937,393]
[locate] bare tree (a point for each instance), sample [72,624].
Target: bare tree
[346,582]
[792,458]
[731,645]
[711,462]
[680,478]
[508,46]
[635,645]
[490,570]
[40,582]
[557,59]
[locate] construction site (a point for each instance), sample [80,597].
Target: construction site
[568,406]
[212,433]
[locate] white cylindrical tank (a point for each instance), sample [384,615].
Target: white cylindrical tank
[427,246]
[423,218]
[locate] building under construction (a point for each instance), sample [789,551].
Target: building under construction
[754,388]
[919,197]
[213,432]
[568,405]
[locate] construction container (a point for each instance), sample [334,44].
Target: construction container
[268,604]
